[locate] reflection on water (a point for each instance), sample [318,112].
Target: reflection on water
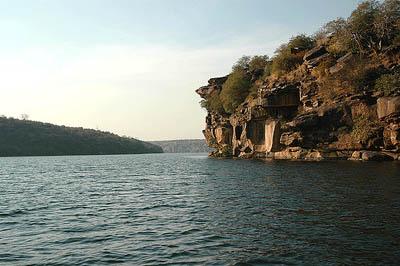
[187,209]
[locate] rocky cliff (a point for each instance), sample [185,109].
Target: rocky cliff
[329,106]
[290,119]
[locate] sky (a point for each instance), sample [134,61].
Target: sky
[131,67]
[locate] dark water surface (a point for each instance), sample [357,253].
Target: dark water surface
[186,209]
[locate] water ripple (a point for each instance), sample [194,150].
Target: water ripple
[168,209]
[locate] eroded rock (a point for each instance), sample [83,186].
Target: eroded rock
[387,106]
[291,139]
[375,156]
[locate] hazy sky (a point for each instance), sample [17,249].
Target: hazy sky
[131,67]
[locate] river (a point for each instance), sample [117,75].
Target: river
[187,209]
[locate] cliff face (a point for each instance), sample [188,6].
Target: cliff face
[301,115]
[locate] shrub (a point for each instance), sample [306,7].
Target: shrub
[361,25]
[370,27]
[253,64]
[387,23]
[267,69]
[322,68]
[301,42]
[213,103]
[258,63]
[340,37]
[363,129]
[284,62]
[241,64]
[288,56]
[388,84]
[356,76]
[235,90]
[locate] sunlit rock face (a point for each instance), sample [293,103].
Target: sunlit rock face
[214,85]
[388,106]
[291,118]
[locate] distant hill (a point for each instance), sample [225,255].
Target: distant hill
[30,138]
[183,146]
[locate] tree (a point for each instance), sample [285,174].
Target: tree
[289,55]
[387,23]
[339,34]
[361,25]
[242,63]
[213,103]
[24,116]
[258,62]
[301,42]
[235,90]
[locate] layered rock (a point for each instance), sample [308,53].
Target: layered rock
[214,85]
[290,119]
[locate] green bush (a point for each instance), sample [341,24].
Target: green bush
[241,64]
[387,23]
[363,129]
[301,42]
[235,90]
[213,103]
[361,25]
[267,69]
[372,26]
[285,62]
[340,38]
[357,76]
[258,63]
[288,56]
[388,83]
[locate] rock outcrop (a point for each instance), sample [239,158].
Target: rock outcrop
[290,118]
[388,106]
[214,85]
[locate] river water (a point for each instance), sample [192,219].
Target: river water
[187,209]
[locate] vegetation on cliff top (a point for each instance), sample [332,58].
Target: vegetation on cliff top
[373,27]
[290,55]
[30,138]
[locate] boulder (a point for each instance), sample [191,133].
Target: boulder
[315,56]
[218,80]
[309,120]
[291,139]
[205,91]
[387,106]
[294,153]
[375,156]
[356,155]
[214,84]
[340,63]
[315,52]
[391,136]
[314,156]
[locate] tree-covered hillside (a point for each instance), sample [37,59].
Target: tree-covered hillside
[31,138]
[183,146]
